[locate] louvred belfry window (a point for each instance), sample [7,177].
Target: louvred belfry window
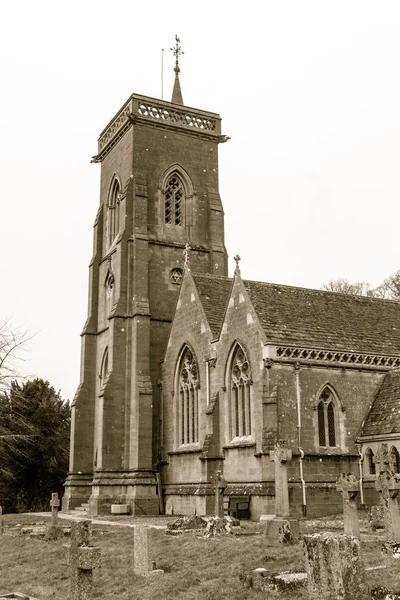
[240,394]
[326,419]
[174,195]
[188,398]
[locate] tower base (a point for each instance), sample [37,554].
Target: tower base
[138,489]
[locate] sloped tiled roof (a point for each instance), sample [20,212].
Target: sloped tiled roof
[310,318]
[326,320]
[214,294]
[384,416]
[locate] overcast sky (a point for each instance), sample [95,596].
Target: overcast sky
[309,92]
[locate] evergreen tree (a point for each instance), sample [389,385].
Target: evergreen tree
[34,445]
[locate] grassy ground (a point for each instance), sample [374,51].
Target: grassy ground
[195,568]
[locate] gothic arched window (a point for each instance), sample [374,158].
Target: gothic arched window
[104,367]
[239,387]
[188,398]
[114,200]
[394,459]
[109,285]
[174,196]
[327,418]
[369,462]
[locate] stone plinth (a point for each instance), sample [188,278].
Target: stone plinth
[334,568]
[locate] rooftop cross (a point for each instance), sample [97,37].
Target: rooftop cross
[177,52]
[237,259]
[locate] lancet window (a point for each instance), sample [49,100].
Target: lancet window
[114,200]
[104,367]
[327,418]
[394,460]
[174,197]
[188,398]
[369,462]
[240,380]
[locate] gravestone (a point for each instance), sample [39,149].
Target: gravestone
[334,568]
[54,531]
[388,485]
[349,486]
[142,563]
[219,487]
[83,558]
[282,528]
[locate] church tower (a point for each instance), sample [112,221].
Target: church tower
[158,193]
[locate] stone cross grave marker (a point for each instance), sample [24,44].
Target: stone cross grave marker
[219,487]
[280,456]
[54,531]
[388,486]
[142,563]
[349,486]
[83,558]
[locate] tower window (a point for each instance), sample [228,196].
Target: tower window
[174,195]
[240,394]
[326,419]
[113,215]
[175,276]
[188,398]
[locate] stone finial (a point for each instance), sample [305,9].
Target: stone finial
[187,255]
[177,93]
[237,260]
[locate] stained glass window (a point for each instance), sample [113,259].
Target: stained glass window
[188,395]
[240,394]
[326,419]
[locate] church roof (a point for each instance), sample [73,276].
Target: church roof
[302,317]
[326,320]
[214,292]
[384,416]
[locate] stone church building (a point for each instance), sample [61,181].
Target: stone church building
[185,371]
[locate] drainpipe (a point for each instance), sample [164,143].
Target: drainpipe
[303,483]
[360,468]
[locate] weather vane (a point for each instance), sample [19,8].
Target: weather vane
[177,52]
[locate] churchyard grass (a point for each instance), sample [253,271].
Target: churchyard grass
[195,568]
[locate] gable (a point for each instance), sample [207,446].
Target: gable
[384,416]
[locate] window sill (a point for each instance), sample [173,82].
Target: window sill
[244,441]
[187,449]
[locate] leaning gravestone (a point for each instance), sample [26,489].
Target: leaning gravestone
[388,486]
[334,568]
[142,563]
[282,528]
[349,486]
[83,558]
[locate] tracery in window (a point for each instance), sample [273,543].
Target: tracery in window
[327,418]
[174,195]
[394,459]
[188,398]
[239,387]
[369,462]
[113,213]
[175,276]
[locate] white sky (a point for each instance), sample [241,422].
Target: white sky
[309,92]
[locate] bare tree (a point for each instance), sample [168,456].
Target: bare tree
[14,343]
[342,286]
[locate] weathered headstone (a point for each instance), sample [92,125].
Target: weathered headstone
[334,568]
[282,528]
[219,487]
[349,486]
[388,485]
[83,558]
[142,563]
[54,531]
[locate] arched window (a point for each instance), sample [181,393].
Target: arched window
[327,418]
[239,387]
[394,459]
[109,285]
[188,398]
[174,197]
[369,462]
[114,200]
[104,367]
